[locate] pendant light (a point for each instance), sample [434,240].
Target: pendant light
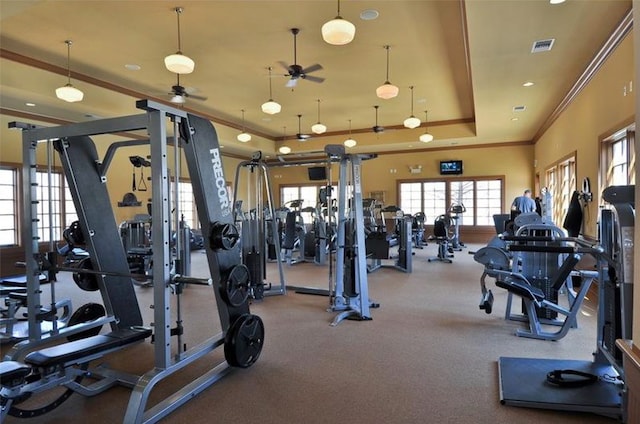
[426,137]
[412,121]
[387,90]
[179,63]
[270,107]
[318,128]
[243,137]
[338,31]
[350,142]
[68,92]
[285,150]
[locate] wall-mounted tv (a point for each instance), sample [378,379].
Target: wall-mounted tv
[450,167]
[317,173]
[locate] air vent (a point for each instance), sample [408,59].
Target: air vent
[519,108]
[542,45]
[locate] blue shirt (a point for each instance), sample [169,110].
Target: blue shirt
[524,204]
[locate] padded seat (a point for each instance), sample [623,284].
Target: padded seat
[522,289]
[12,373]
[72,351]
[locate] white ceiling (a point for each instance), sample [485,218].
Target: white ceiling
[467,61]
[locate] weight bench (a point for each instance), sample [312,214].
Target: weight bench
[13,373]
[53,367]
[79,351]
[534,298]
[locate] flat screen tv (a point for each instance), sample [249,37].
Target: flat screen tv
[317,173]
[450,167]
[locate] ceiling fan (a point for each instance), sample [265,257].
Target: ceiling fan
[296,71]
[377,128]
[179,94]
[300,136]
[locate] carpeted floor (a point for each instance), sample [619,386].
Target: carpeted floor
[428,356]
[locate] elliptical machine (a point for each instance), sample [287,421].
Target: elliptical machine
[455,212]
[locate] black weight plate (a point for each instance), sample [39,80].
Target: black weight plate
[244,340]
[86,282]
[86,313]
[235,289]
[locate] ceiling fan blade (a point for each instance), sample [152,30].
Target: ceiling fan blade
[292,82]
[196,97]
[285,66]
[303,137]
[312,78]
[312,68]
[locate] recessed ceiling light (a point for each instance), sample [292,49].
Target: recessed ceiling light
[132,67]
[410,145]
[556,1]
[30,104]
[369,14]
[528,84]
[514,119]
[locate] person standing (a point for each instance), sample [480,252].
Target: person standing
[524,203]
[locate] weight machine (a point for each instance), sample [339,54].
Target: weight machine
[259,220]
[588,386]
[378,244]
[294,232]
[349,290]
[64,364]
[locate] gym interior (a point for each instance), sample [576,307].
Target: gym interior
[315,224]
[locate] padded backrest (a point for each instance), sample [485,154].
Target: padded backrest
[565,269]
[440,226]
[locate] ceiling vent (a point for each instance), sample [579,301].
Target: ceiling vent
[542,45]
[519,108]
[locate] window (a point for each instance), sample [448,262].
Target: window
[617,166]
[434,200]
[187,204]
[309,195]
[561,183]
[488,201]
[8,204]
[482,198]
[49,209]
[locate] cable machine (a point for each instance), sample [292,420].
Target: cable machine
[349,290]
[255,223]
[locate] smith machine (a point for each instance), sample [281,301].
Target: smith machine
[31,370]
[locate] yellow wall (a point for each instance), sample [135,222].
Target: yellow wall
[119,174]
[599,110]
[515,163]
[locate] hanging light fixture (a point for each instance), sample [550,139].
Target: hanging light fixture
[179,63]
[412,121]
[387,90]
[68,92]
[350,142]
[338,31]
[285,150]
[318,128]
[426,137]
[270,107]
[243,137]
